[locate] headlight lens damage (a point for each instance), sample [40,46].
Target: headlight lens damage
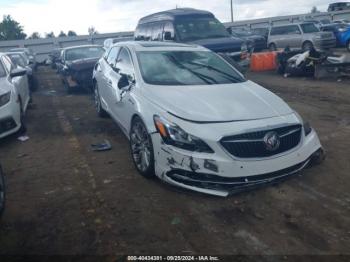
[307,128]
[175,136]
[5,98]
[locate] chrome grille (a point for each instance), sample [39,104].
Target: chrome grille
[252,145]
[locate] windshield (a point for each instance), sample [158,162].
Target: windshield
[83,53]
[309,28]
[17,60]
[186,68]
[201,28]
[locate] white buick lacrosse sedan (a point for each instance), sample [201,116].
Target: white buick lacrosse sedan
[195,122]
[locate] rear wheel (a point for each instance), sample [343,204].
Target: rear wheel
[141,148]
[2,192]
[307,46]
[272,47]
[98,106]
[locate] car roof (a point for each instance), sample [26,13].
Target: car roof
[175,13]
[159,46]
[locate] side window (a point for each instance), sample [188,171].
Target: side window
[294,29]
[124,64]
[169,30]
[148,32]
[112,56]
[157,31]
[7,64]
[139,33]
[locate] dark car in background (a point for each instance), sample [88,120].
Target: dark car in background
[339,6]
[254,41]
[54,57]
[192,26]
[2,192]
[262,31]
[76,65]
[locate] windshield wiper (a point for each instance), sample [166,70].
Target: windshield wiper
[199,75]
[227,76]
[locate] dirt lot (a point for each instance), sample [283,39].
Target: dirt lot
[65,199]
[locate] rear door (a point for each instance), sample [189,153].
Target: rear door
[107,78]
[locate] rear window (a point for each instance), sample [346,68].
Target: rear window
[309,28]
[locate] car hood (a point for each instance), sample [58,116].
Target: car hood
[82,64]
[218,103]
[222,44]
[4,85]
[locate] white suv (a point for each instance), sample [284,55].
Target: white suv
[195,122]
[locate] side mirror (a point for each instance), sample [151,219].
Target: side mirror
[18,72]
[167,36]
[123,82]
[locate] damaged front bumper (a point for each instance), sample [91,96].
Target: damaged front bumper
[220,175]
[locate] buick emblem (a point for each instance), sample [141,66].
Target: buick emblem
[272,141]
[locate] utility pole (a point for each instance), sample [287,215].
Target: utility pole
[231,11]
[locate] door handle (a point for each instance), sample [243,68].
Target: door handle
[109,81]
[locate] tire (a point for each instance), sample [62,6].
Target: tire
[2,192]
[98,105]
[141,148]
[23,128]
[348,45]
[272,47]
[66,86]
[307,46]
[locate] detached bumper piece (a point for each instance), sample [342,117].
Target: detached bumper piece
[236,184]
[7,124]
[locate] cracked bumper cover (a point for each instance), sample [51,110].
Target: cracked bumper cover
[219,174]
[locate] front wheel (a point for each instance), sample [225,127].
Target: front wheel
[307,46]
[2,192]
[141,148]
[98,106]
[272,47]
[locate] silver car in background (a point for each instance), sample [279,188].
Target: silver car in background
[303,36]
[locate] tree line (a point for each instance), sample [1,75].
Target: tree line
[10,29]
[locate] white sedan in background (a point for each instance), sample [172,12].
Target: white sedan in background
[195,122]
[14,97]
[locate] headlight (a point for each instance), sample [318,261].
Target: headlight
[307,128]
[31,57]
[5,98]
[175,136]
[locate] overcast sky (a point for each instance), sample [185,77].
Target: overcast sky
[122,15]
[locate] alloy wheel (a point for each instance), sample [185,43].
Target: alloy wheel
[141,147]
[97,100]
